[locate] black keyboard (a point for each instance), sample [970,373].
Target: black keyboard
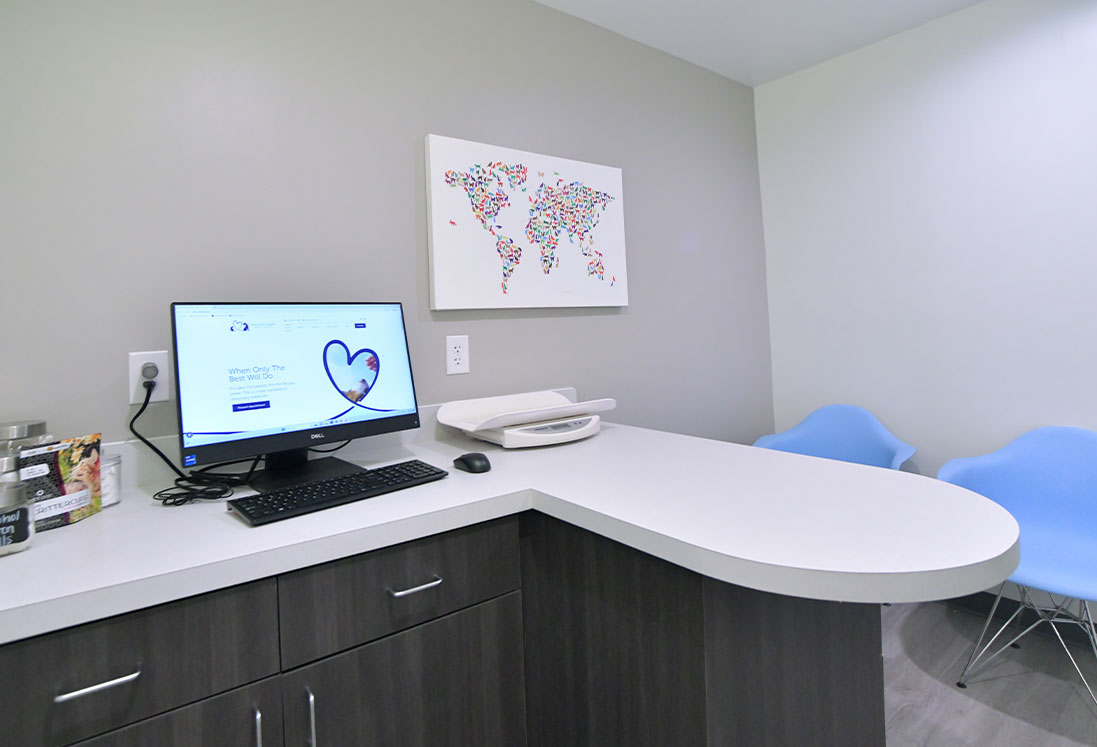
[314,496]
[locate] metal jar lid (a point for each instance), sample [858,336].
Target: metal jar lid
[14,429]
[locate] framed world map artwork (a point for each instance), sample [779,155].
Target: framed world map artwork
[510,229]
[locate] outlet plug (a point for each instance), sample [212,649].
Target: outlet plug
[141,371]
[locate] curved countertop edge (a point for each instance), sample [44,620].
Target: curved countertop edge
[808,583]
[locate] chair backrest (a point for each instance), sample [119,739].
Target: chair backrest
[1047,476]
[845,432]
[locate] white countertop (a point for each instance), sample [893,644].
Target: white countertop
[763,519]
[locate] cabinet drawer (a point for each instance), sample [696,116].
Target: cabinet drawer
[332,607]
[245,717]
[144,663]
[457,680]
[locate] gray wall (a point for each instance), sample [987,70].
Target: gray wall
[931,230]
[248,150]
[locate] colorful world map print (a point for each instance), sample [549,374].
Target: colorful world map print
[565,215]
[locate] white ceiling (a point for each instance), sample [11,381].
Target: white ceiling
[755,41]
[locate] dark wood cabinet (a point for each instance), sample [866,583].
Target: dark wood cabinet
[454,681]
[520,629]
[250,716]
[614,642]
[624,648]
[332,607]
[789,671]
[83,681]
[192,671]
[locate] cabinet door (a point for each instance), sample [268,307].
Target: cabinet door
[454,681]
[248,717]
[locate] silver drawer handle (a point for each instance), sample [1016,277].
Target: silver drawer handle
[415,590]
[258,728]
[312,718]
[96,688]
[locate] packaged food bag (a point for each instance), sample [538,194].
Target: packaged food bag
[62,480]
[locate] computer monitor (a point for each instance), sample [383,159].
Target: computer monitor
[275,379]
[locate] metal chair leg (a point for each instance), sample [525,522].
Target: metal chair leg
[1026,602]
[1059,613]
[1072,661]
[975,651]
[1091,630]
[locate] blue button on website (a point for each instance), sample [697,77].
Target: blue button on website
[242,406]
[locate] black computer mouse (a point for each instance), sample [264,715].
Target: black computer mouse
[474,462]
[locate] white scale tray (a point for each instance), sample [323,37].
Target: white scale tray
[523,420]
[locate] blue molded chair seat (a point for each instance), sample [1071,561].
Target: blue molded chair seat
[1063,563]
[1047,479]
[844,432]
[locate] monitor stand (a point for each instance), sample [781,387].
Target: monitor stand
[287,469]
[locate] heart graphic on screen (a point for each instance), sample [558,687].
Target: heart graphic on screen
[352,375]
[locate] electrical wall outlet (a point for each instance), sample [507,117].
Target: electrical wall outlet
[162,377]
[457,354]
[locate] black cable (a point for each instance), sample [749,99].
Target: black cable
[232,478]
[328,451]
[199,484]
[149,386]
[208,467]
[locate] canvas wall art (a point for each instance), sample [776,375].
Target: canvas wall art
[511,229]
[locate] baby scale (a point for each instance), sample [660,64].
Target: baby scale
[517,421]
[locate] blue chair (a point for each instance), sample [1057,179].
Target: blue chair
[1047,479]
[844,432]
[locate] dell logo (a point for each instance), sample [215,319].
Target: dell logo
[315,436]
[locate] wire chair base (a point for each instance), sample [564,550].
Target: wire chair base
[1068,611]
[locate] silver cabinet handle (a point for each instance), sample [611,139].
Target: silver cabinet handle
[415,590]
[312,718]
[258,727]
[65,697]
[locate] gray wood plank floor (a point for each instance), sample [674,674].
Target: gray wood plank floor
[1029,697]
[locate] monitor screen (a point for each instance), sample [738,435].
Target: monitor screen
[261,378]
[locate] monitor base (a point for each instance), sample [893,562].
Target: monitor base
[289,469]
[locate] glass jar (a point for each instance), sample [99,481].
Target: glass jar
[16,509]
[110,478]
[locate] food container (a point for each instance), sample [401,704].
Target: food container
[16,510]
[110,478]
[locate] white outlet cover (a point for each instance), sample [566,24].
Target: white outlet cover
[162,392]
[457,354]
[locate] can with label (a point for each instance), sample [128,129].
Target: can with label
[16,511]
